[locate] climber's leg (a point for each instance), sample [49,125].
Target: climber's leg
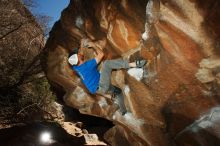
[107,67]
[119,99]
[105,81]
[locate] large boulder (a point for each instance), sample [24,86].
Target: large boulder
[179,44]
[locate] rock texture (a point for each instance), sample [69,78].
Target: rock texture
[181,82]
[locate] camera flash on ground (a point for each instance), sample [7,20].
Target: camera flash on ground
[45,137]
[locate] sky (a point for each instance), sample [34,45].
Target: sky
[51,8]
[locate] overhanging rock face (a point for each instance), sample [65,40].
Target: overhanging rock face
[179,38]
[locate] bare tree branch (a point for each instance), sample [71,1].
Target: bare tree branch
[42,19]
[11,31]
[30,3]
[44,22]
[26,108]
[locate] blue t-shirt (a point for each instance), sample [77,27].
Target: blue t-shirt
[89,74]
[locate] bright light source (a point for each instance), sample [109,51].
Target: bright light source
[45,137]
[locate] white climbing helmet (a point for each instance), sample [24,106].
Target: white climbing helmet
[73,59]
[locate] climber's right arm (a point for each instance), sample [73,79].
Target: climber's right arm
[99,54]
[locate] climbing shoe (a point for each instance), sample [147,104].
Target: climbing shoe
[140,63]
[119,100]
[114,91]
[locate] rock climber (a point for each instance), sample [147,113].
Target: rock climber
[95,81]
[100,82]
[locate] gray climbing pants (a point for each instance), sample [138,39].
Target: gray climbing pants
[105,73]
